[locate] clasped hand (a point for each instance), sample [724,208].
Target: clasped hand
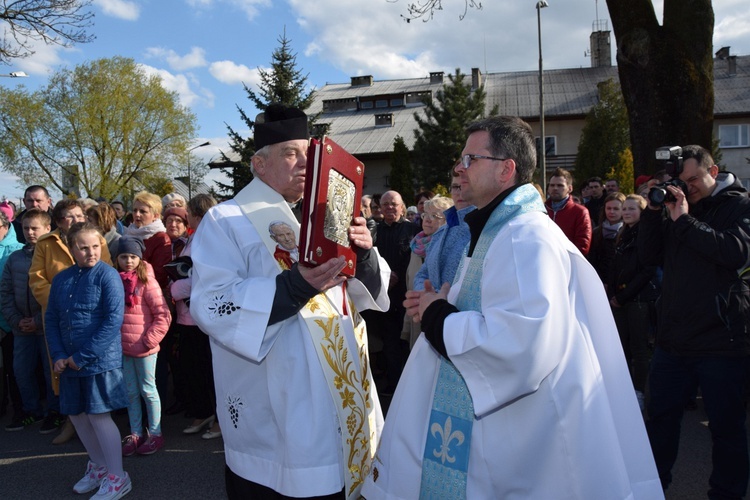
[62,364]
[417,302]
[27,325]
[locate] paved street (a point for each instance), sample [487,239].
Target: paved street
[191,468]
[188,467]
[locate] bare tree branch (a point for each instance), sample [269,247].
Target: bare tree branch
[425,9]
[52,22]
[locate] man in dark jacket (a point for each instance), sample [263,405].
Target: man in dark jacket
[394,233]
[595,203]
[34,197]
[703,242]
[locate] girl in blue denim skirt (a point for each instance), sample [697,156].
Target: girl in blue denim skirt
[82,325]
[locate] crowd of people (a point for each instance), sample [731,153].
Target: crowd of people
[518,345]
[91,304]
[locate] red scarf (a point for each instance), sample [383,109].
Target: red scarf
[129,281]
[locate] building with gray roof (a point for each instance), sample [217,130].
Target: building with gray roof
[365,115]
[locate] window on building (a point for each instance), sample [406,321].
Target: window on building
[417,97]
[550,142]
[381,103]
[734,136]
[366,104]
[397,103]
[384,120]
[339,105]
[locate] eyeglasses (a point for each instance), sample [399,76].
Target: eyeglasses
[467,159]
[429,216]
[455,187]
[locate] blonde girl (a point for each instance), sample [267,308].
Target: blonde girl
[82,324]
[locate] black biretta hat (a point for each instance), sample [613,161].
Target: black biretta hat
[280,123]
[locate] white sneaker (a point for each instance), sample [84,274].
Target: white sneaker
[113,487]
[92,479]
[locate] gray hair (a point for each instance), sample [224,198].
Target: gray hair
[264,153]
[442,203]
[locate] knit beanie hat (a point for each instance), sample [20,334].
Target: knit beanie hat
[179,212]
[7,210]
[171,197]
[133,246]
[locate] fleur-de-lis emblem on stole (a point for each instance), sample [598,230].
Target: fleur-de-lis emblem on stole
[448,435]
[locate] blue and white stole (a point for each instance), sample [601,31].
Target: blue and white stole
[445,462]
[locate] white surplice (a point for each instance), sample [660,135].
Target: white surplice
[556,412]
[278,422]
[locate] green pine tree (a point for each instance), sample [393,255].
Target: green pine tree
[605,135]
[401,178]
[440,136]
[284,84]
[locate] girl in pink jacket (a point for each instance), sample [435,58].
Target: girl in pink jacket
[146,322]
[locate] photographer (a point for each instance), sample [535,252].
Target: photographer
[702,240]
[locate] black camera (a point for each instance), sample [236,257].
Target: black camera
[671,156]
[179,269]
[658,195]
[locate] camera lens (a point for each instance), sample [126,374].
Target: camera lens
[657,195]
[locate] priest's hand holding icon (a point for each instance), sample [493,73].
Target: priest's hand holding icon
[324,276]
[359,234]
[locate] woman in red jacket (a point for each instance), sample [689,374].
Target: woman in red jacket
[145,323]
[148,227]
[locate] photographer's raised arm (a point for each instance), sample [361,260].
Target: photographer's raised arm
[651,236]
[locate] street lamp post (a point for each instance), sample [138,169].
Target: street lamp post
[543,144]
[16,74]
[190,177]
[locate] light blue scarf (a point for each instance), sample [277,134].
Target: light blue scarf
[445,463]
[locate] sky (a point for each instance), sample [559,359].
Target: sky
[205,50]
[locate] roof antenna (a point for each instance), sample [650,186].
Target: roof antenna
[484,42]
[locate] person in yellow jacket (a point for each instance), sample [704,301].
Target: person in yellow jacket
[51,256]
